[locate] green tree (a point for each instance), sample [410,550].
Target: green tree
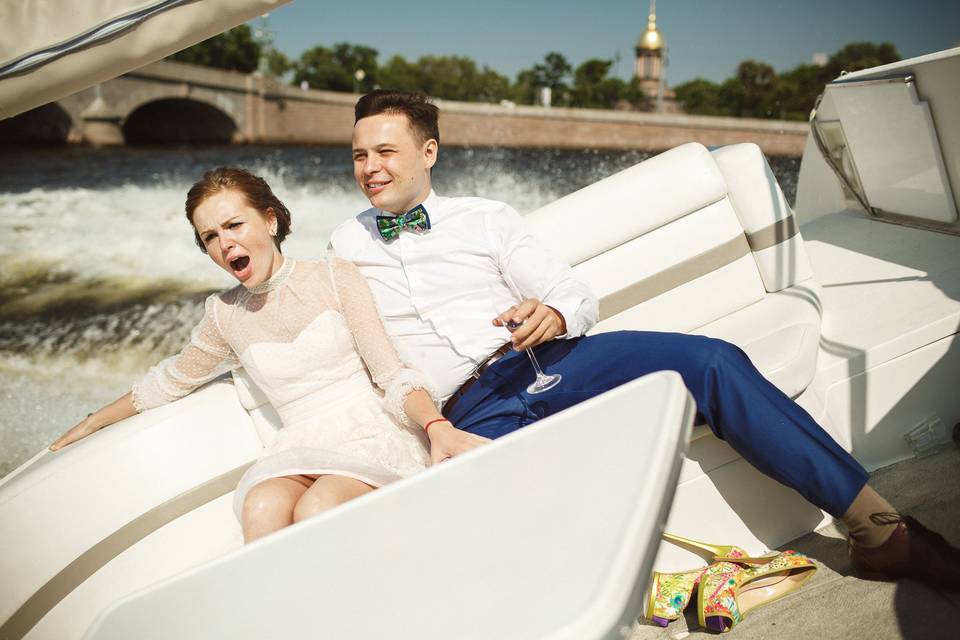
[277,63]
[458,78]
[491,86]
[592,88]
[235,50]
[860,55]
[333,69]
[554,72]
[756,85]
[448,77]
[799,87]
[797,90]
[702,97]
[397,73]
[757,91]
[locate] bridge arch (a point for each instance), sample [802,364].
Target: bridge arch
[49,124]
[178,120]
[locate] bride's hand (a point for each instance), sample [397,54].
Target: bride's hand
[116,411]
[446,441]
[86,426]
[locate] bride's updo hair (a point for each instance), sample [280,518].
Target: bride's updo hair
[255,190]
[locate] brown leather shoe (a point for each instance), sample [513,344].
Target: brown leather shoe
[912,551]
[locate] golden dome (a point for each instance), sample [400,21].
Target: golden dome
[651,39]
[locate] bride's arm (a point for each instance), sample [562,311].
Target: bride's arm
[116,411]
[446,440]
[205,357]
[408,393]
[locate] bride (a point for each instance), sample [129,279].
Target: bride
[310,335]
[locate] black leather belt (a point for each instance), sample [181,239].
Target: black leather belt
[474,376]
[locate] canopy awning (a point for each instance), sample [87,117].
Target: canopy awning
[53,48]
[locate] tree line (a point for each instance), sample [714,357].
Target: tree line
[450,77]
[756,90]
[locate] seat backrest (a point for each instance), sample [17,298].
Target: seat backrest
[769,223]
[679,240]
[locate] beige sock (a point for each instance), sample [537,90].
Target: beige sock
[863,530]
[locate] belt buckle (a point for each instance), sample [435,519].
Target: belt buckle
[492,358]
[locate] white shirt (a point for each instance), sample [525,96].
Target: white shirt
[439,291]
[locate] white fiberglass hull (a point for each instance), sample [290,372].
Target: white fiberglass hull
[498,521]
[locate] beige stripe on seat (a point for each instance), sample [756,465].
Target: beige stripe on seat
[699,265]
[93,559]
[780,231]
[672,277]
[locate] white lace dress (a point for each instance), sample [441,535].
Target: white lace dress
[304,337]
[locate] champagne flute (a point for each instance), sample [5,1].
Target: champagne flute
[542,382]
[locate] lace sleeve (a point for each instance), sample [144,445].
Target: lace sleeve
[376,348]
[205,357]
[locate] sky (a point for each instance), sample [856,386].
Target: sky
[705,38]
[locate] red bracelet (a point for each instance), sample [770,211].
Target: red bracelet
[427,426]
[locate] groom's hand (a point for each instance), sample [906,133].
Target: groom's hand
[446,441]
[538,323]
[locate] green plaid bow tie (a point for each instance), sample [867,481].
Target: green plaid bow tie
[414,220]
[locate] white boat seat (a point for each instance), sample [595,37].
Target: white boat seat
[707,244]
[780,333]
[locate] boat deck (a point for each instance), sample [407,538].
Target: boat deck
[836,604]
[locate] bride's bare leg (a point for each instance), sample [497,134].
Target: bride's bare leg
[326,493]
[268,506]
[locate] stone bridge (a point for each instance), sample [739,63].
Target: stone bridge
[171,102]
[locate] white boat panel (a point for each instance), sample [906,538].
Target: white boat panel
[565,557]
[894,143]
[887,290]
[936,80]
[201,535]
[111,489]
[821,193]
[877,408]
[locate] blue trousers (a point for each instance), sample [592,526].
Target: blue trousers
[767,428]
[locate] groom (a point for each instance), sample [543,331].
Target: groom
[443,272]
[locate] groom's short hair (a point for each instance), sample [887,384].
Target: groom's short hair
[421,113]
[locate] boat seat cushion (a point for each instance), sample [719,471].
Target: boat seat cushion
[780,333]
[768,222]
[708,245]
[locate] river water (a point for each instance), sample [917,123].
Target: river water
[100,278]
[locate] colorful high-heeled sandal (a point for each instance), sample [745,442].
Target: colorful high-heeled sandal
[670,594]
[729,591]
[721,553]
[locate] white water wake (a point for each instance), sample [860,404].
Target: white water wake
[97,284]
